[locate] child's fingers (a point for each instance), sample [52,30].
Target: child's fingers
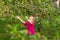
[17,17]
[26,17]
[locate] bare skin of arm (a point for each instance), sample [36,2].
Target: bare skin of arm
[28,19]
[20,19]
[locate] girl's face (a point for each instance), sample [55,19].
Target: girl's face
[31,19]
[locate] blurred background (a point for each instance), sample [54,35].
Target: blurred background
[47,19]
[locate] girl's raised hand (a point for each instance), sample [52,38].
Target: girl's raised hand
[26,17]
[18,17]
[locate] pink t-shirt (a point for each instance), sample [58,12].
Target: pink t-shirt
[30,28]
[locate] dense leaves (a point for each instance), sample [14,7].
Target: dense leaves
[47,19]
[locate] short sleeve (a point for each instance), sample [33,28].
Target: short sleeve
[25,23]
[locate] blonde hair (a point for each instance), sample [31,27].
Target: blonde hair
[32,17]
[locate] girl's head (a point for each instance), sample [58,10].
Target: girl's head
[31,18]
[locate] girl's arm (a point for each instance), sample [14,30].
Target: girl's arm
[57,2]
[20,19]
[28,19]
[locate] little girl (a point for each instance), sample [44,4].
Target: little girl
[29,24]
